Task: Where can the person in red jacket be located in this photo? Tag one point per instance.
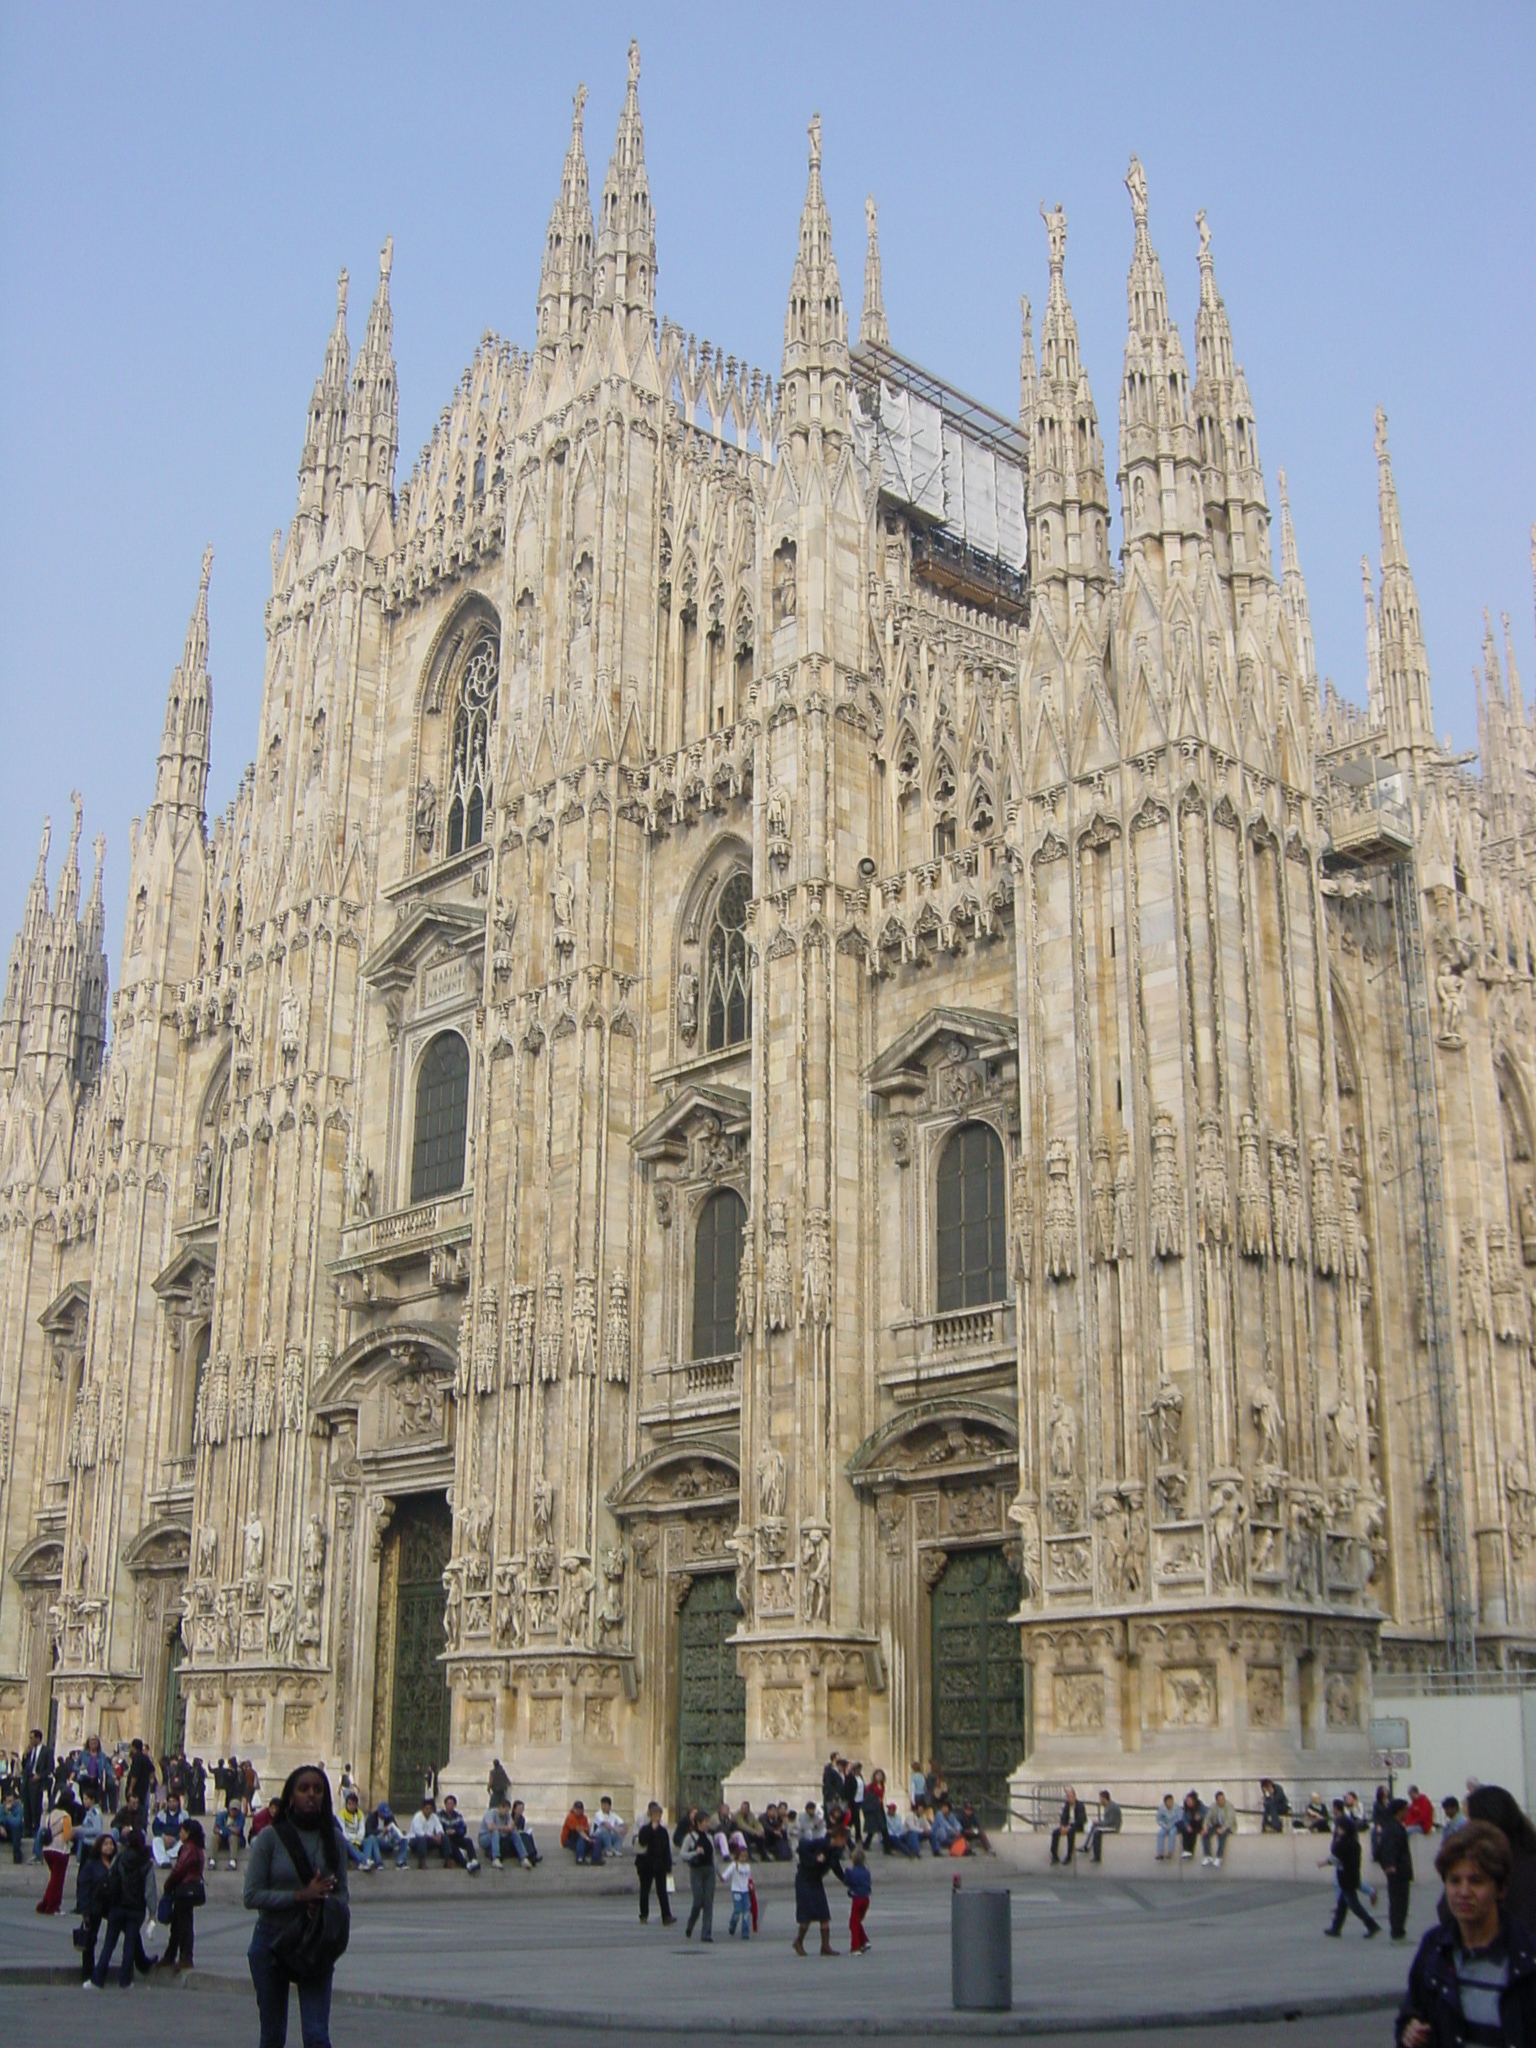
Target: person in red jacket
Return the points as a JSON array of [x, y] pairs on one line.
[[184, 1888], [1420, 1813]]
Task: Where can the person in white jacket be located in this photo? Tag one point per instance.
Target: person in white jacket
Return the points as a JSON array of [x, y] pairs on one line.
[[426, 1833]]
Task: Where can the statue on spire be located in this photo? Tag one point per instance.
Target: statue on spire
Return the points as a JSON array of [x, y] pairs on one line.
[[634, 62], [202, 587], [1382, 450], [814, 131], [341, 293], [386, 259], [1205, 235], [1055, 234], [1136, 185], [577, 105]]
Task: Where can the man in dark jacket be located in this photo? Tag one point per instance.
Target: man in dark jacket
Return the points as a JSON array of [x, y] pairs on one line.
[[1473, 1980], [1394, 1853], [1070, 1823], [1277, 1808], [1344, 1854], [140, 1775], [36, 1777], [831, 1782], [653, 1863]]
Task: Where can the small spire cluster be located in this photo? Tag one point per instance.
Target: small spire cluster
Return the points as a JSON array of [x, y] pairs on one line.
[[53, 1015]]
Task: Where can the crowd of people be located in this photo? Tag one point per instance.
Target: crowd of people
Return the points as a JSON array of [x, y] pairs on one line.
[[134, 1830]]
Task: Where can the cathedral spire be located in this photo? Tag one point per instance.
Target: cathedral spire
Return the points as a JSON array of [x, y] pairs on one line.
[[1374, 697], [626, 236], [1232, 483], [1159, 482], [67, 901], [320, 462], [1293, 595], [373, 401], [1069, 497], [181, 774], [565, 284], [815, 370], [873, 327], [1404, 660]]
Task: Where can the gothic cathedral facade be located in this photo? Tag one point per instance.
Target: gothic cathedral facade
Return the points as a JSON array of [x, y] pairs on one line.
[[791, 1110]]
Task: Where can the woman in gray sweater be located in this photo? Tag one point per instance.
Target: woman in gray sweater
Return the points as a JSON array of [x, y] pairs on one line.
[[275, 1892]]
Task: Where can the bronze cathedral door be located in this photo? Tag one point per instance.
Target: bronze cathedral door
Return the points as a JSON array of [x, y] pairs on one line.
[[419, 1702], [978, 1680], [712, 1696]]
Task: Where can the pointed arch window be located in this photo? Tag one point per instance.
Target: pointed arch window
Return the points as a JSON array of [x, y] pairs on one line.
[[442, 1118], [727, 967], [717, 1274], [469, 769], [972, 1221]]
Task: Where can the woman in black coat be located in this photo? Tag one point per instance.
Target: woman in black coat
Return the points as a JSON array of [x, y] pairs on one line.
[[818, 1857], [96, 1860], [126, 1900]]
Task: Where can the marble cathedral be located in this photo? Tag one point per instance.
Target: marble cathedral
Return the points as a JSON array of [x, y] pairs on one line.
[[793, 1109]]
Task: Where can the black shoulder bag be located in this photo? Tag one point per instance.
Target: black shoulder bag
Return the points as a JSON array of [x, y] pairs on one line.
[[315, 1937]]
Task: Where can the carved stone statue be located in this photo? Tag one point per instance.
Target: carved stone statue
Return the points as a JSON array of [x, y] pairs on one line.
[[426, 814], [359, 1188], [815, 1572], [610, 1610], [576, 1588], [1269, 1422], [1228, 1515], [1452, 993], [562, 891], [1063, 1451], [202, 1179], [1165, 1422], [687, 1004], [770, 1483], [1341, 1427], [207, 1551], [279, 1617], [254, 1548]]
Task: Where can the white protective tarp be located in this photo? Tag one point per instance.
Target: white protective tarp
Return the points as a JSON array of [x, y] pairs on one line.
[[912, 450], [932, 464]]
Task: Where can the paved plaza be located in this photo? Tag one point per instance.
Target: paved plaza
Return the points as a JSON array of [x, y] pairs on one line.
[[559, 1948]]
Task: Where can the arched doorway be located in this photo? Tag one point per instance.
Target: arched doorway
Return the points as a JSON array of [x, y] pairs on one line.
[[711, 1693], [421, 1539], [978, 1679]]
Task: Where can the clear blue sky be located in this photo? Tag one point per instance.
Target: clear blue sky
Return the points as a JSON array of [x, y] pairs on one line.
[[179, 186]]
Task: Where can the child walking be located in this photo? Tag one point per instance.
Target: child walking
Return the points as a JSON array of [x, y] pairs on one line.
[[740, 1874], [860, 1885]]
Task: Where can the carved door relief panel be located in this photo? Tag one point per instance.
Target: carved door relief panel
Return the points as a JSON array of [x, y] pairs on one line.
[[978, 1680], [711, 1695], [422, 1537]]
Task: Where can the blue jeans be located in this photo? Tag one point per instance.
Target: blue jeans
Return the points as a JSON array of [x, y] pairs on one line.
[[741, 1914], [586, 1850], [272, 1981], [1167, 1832], [365, 1852], [124, 1921]]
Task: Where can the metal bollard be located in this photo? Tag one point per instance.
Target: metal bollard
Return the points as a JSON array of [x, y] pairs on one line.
[[981, 1950]]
